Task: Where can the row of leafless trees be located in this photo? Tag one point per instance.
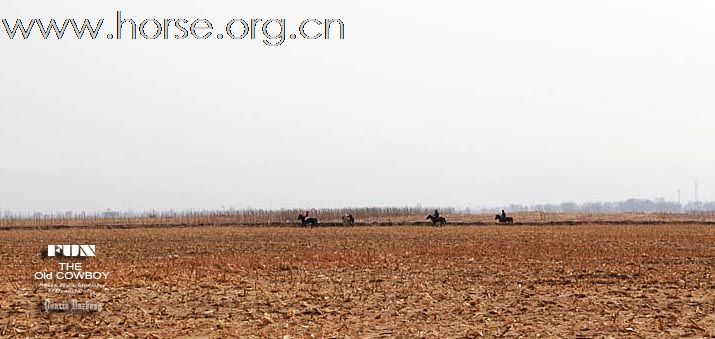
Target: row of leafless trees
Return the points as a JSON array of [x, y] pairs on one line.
[[362, 214], [208, 218]]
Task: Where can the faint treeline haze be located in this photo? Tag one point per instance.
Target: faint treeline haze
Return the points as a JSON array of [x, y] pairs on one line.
[[627, 206], [363, 214]]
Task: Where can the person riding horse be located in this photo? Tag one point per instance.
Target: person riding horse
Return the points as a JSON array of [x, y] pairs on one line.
[[348, 220], [436, 219], [307, 221], [503, 218]]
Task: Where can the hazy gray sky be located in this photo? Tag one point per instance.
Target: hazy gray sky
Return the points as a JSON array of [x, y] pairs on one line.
[[447, 103]]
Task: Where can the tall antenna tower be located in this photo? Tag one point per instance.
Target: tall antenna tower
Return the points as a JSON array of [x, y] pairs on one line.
[[696, 191], [678, 196]]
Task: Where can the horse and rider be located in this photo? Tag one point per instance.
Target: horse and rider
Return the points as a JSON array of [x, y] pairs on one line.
[[436, 219], [307, 220], [348, 219], [503, 218]]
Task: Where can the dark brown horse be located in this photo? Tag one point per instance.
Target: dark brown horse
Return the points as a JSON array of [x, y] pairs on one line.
[[307, 221], [437, 221], [504, 220], [348, 220]]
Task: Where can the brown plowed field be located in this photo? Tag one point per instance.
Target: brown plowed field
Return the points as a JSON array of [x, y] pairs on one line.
[[617, 281]]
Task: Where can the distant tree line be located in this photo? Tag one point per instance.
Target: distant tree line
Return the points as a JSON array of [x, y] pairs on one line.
[[626, 206], [363, 214], [210, 217]]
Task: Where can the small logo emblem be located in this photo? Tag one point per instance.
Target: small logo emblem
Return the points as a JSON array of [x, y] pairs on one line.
[[71, 250]]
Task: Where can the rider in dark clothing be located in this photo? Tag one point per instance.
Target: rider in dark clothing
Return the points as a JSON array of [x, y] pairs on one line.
[[503, 215], [436, 214]]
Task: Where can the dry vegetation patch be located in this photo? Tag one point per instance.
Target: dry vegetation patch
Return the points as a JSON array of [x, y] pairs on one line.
[[589, 280]]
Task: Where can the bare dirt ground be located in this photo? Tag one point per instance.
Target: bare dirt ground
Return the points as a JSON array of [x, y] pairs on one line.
[[640, 281]]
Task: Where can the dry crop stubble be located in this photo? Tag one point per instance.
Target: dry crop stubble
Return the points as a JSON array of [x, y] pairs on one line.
[[411, 281]]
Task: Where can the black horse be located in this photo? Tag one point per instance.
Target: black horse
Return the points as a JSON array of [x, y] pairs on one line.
[[437, 221], [503, 219], [307, 221], [348, 220]]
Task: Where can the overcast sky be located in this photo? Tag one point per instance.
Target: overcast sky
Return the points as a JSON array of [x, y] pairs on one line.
[[456, 103]]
